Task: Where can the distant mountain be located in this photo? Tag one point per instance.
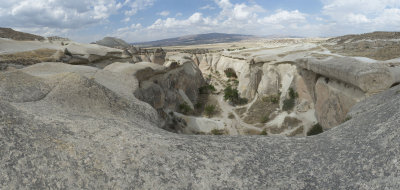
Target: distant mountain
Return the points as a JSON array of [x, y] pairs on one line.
[[281, 36], [16, 35], [210, 38], [113, 42]]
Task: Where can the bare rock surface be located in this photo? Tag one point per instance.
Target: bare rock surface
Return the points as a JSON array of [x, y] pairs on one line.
[[85, 135]]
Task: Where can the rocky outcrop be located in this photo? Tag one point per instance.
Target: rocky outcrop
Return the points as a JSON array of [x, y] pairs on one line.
[[91, 53], [113, 42], [369, 77], [338, 83], [32, 52], [84, 129], [164, 87], [158, 56]]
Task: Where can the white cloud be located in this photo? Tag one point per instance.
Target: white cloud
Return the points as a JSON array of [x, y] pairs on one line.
[[238, 11], [163, 13], [137, 5], [233, 18], [358, 16], [56, 13], [207, 7], [284, 16]]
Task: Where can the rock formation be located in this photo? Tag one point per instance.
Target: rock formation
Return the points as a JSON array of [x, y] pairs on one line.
[[113, 43], [117, 126], [81, 127]]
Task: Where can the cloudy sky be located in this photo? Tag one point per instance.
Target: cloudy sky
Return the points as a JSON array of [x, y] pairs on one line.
[[145, 20]]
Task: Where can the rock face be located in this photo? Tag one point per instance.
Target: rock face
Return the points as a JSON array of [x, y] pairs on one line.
[[171, 87], [334, 101], [113, 43], [85, 54], [32, 52], [369, 77], [82, 128], [158, 56], [342, 82]]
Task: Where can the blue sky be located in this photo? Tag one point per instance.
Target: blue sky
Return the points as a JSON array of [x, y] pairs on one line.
[[145, 20]]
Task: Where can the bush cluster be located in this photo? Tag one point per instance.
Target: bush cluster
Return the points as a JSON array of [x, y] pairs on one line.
[[207, 89], [232, 94], [271, 98], [315, 130], [230, 73], [184, 108], [288, 104], [210, 110]]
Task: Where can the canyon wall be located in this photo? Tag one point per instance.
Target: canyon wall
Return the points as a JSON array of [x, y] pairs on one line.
[[328, 86]]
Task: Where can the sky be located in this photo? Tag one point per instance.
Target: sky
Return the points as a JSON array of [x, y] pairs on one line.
[[148, 20]]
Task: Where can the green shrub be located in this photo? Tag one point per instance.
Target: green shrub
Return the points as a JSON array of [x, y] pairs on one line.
[[198, 105], [217, 132], [210, 110], [231, 94], [207, 89], [315, 130], [288, 104], [231, 116], [293, 94], [348, 118], [230, 73], [184, 108], [271, 98], [264, 132]]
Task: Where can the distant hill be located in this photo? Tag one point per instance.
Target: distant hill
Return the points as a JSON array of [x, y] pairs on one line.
[[210, 38], [16, 35], [113, 42], [379, 35]]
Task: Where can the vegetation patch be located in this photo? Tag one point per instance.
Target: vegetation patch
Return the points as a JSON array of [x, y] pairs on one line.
[[210, 110], [231, 116], [230, 73], [315, 130], [217, 132], [207, 89], [232, 95], [289, 104], [184, 108], [264, 132], [272, 98]]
